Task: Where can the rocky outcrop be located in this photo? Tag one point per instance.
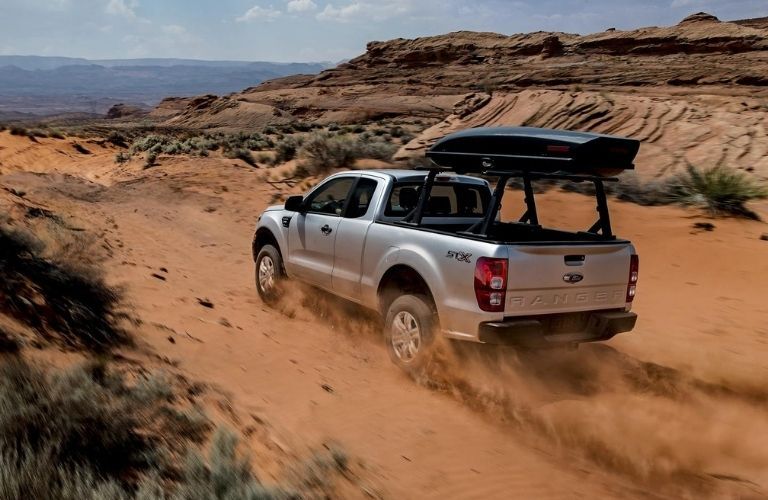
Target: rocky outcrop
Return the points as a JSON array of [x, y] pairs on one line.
[[126, 111], [426, 77]]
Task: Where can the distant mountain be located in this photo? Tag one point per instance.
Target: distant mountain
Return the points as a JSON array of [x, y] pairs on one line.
[[48, 85]]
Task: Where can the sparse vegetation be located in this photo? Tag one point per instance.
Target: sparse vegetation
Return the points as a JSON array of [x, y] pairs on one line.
[[321, 152], [223, 475], [122, 157], [720, 190], [117, 138], [72, 305], [286, 149], [65, 433], [86, 433], [241, 154], [201, 144], [151, 159]]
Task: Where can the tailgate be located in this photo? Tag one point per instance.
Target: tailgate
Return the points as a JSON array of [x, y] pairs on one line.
[[550, 279]]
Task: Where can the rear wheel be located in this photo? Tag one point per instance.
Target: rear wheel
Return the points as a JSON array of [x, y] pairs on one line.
[[269, 274], [409, 329]]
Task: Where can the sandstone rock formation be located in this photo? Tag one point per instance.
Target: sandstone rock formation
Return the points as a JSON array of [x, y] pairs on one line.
[[696, 92]]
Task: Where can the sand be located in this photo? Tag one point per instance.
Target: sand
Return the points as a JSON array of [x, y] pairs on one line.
[[676, 408]]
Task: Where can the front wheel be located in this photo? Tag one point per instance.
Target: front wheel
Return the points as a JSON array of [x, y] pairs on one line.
[[269, 274], [409, 329]]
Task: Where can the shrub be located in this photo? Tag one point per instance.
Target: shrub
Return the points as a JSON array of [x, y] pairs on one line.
[[151, 159], [322, 152], [36, 132], [84, 433], [286, 149], [241, 154], [62, 432], [376, 150], [223, 475], [720, 189], [56, 134], [49, 297], [302, 126], [16, 130], [117, 139], [122, 157], [407, 137]]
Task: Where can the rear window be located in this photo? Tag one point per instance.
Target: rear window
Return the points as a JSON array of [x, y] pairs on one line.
[[446, 200]]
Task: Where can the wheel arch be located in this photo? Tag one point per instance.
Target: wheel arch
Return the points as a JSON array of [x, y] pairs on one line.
[[402, 279], [264, 236]]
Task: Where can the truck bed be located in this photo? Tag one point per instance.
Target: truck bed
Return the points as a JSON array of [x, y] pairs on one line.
[[510, 233]]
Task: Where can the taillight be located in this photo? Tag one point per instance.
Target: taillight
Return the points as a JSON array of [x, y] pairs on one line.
[[491, 283], [634, 265]]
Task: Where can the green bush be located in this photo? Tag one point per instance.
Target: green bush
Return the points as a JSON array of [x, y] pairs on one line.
[[16, 130], [322, 152], [151, 159], [720, 190], [241, 154], [223, 475], [286, 149], [376, 149], [117, 139], [62, 432]]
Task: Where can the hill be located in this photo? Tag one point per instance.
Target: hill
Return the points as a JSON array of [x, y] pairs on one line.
[[53, 85], [695, 93]]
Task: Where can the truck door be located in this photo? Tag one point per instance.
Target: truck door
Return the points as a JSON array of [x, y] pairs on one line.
[[350, 240], [311, 235]]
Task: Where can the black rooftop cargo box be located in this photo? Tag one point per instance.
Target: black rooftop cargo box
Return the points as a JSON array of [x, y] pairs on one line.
[[514, 149]]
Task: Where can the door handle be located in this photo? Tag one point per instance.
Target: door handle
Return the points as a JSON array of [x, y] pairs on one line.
[[326, 229]]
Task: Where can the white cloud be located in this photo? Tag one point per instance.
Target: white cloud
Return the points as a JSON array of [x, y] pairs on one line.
[[174, 29], [365, 11], [124, 8], [257, 12], [300, 5], [682, 3]]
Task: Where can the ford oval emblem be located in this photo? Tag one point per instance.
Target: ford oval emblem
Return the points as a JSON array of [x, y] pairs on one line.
[[573, 277]]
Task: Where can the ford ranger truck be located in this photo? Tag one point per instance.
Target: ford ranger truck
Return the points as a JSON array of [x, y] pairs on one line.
[[429, 251]]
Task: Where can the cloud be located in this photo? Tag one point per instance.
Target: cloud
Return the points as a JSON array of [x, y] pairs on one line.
[[257, 12], [682, 3], [124, 8], [301, 5], [174, 29], [365, 11]]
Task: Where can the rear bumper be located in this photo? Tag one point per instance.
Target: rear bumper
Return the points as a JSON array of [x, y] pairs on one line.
[[537, 331]]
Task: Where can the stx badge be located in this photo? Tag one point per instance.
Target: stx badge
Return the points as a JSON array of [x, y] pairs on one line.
[[459, 256]]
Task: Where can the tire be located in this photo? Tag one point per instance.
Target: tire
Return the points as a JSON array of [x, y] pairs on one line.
[[269, 274], [409, 330]]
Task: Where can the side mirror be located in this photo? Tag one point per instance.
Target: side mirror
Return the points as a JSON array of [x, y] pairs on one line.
[[294, 203]]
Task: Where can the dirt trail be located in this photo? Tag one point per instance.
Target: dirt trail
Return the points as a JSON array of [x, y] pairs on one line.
[[677, 408]]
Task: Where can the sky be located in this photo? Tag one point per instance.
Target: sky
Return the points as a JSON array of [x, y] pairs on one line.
[[309, 30]]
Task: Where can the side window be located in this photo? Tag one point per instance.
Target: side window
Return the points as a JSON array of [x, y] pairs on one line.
[[361, 198], [446, 200], [330, 198]]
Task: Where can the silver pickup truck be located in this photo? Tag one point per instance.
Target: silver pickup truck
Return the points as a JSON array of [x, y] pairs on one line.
[[428, 249]]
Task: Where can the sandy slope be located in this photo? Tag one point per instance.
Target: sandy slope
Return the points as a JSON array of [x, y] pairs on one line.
[[676, 408]]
